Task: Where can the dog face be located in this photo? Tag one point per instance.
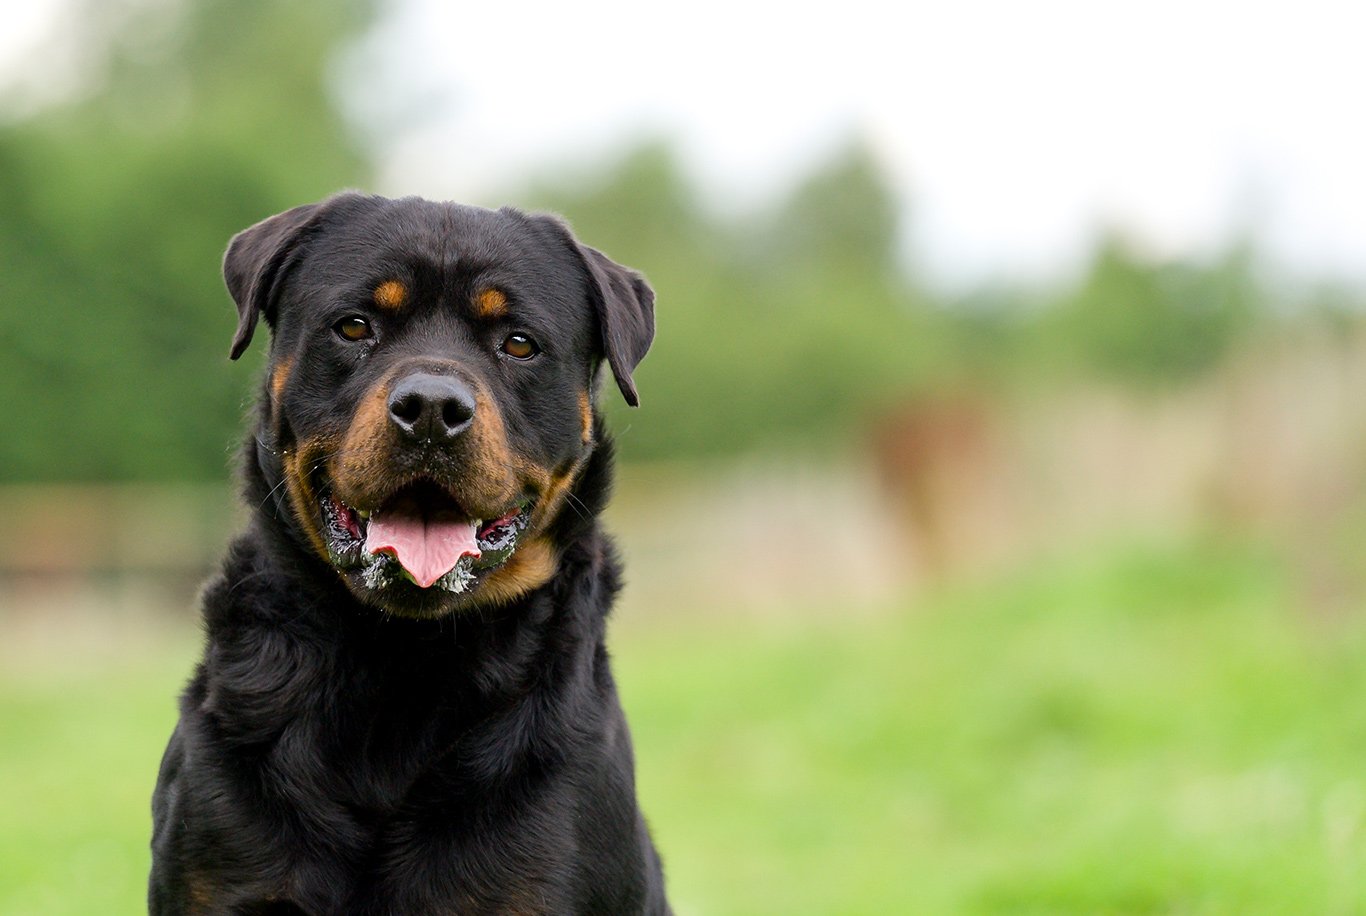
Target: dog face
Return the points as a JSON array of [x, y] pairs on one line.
[[429, 399]]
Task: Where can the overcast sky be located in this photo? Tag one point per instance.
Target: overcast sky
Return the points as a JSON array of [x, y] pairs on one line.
[[1010, 130]]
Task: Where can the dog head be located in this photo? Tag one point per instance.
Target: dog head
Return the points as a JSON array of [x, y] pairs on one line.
[[429, 401]]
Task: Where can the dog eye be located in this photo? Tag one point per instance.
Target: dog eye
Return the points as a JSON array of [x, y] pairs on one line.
[[519, 346], [354, 327]]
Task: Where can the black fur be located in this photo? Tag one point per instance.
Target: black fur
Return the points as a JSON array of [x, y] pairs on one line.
[[334, 756]]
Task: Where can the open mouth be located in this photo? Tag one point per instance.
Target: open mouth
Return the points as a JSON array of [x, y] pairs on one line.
[[421, 535]]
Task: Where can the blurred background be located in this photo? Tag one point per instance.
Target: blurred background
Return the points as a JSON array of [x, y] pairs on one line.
[[994, 519]]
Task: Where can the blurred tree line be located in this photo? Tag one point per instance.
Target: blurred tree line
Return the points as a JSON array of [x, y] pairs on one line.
[[194, 120], [797, 324]]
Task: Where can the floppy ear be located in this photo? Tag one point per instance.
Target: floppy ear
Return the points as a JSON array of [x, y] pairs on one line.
[[622, 301], [257, 257], [252, 265], [625, 305]]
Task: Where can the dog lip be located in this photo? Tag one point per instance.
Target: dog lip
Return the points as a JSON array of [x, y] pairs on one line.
[[422, 493], [346, 526], [344, 529]]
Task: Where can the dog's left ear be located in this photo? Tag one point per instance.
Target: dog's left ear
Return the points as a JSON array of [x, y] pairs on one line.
[[257, 257], [623, 302]]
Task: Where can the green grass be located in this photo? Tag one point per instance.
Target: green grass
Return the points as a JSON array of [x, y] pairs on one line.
[[1145, 732]]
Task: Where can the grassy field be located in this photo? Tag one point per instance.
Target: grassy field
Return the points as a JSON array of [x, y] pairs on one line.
[[1148, 731]]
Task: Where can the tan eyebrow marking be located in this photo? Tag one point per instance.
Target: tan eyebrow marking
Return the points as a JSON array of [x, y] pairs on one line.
[[391, 294], [491, 303]]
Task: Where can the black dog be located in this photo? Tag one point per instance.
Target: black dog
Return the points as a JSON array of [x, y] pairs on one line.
[[405, 704]]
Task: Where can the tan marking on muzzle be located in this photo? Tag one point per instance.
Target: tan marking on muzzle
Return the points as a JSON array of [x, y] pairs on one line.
[[489, 436], [531, 566], [298, 465], [366, 446], [554, 490], [364, 471]]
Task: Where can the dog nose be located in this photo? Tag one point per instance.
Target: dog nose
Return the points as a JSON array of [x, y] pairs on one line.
[[429, 407]]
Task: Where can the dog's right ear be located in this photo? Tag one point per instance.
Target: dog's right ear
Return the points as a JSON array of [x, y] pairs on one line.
[[257, 259], [252, 265]]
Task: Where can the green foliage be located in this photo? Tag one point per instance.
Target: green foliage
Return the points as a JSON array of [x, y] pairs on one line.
[[1134, 319], [114, 211]]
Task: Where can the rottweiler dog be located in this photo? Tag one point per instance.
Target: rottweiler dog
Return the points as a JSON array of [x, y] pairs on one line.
[[405, 704]]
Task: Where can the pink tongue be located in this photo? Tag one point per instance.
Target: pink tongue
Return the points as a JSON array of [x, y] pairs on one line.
[[427, 548]]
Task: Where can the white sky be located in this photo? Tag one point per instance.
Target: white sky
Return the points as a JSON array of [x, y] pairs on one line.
[[1011, 130]]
